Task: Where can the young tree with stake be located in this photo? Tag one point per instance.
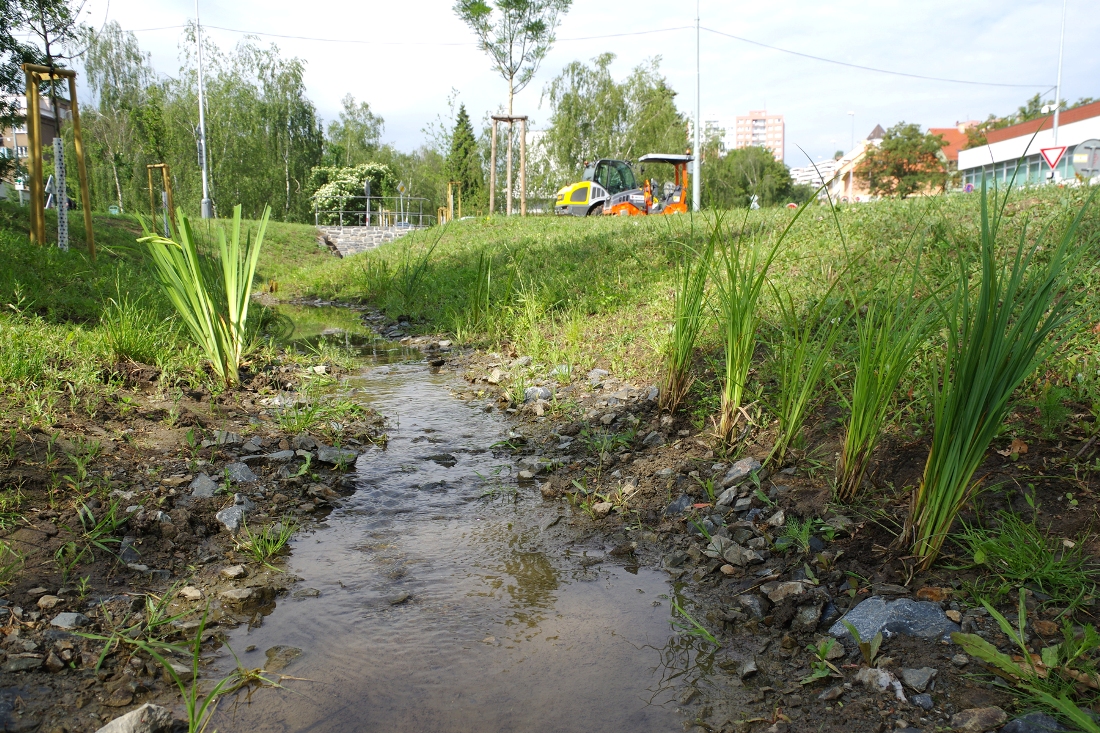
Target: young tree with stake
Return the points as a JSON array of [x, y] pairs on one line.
[[517, 35]]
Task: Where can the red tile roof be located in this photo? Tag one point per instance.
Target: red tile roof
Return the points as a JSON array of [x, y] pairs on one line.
[[1084, 112], [956, 140]]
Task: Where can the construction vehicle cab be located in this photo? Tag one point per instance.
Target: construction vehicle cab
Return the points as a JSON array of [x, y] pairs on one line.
[[654, 197], [601, 180]]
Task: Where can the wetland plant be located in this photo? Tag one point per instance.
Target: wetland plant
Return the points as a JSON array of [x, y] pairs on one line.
[[887, 335], [688, 308], [213, 304], [265, 544], [996, 338]]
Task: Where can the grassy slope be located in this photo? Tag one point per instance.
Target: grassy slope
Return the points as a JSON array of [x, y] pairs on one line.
[[597, 292]]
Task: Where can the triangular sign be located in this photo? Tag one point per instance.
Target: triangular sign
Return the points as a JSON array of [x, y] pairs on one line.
[[1053, 155]]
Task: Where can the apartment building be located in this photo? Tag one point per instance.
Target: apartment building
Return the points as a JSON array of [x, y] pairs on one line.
[[14, 140], [760, 129]]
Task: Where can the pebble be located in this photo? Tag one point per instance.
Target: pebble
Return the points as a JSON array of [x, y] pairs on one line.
[[203, 487], [236, 595], [953, 615], [233, 572], [602, 509], [47, 602], [748, 668], [922, 701], [960, 660], [336, 455], [934, 594], [653, 440], [740, 471], [1034, 723], [280, 656], [148, 718], [240, 473], [978, 720], [525, 475], [776, 592], [832, 693], [922, 619], [679, 506], [918, 679], [190, 593], [70, 620]]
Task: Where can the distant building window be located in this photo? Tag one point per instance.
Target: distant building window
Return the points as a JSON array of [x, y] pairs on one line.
[[21, 151]]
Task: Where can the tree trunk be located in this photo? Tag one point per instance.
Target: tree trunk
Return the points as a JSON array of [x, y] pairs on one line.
[[508, 165]]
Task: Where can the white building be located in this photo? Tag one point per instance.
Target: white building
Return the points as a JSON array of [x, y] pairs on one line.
[[1012, 153]]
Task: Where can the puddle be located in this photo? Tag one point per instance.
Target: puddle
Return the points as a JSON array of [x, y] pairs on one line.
[[435, 600]]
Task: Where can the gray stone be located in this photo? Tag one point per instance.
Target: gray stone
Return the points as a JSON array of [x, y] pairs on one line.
[[832, 693], [1034, 723], [523, 361], [336, 455], [281, 456], [234, 572], [532, 394], [740, 471], [652, 394], [776, 592], [69, 620], [731, 552], [303, 442], [203, 487], [239, 473], [663, 473], [753, 605], [922, 701], [653, 440], [21, 664], [148, 718], [922, 619], [807, 617], [236, 595], [727, 497], [743, 505], [233, 517], [279, 657], [597, 375], [918, 679], [126, 552], [225, 437], [978, 720], [679, 506], [748, 668]]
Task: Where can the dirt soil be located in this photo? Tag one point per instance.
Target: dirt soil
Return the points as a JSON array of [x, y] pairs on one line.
[[634, 477]]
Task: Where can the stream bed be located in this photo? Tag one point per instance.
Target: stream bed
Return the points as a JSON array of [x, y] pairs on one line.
[[443, 597]]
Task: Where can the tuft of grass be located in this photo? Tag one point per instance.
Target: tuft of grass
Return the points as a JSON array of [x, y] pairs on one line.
[[743, 274], [266, 543], [995, 340], [803, 351], [1018, 554], [797, 532], [887, 336], [213, 305], [135, 332], [688, 308]]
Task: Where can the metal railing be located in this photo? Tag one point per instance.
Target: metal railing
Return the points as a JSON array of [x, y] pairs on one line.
[[376, 211]]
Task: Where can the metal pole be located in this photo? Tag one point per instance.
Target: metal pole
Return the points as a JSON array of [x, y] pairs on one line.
[[207, 204], [1058, 87], [853, 116], [696, 195], [493, 170], [81, 170]]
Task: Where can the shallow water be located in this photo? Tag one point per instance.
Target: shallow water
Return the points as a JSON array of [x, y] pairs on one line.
[[452, 600]]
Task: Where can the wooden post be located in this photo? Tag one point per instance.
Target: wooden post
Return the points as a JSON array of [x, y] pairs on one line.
[[508, 168], [34, 150], [152, 202], [459, 199], [82, 171], [171, 199], [451, 199], [523, 166], [493, 171]]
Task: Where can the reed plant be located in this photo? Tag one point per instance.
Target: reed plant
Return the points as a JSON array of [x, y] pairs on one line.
[[212, 302], [887, 336], [996, 337], [688, 317], [743, 271], [803, 351]]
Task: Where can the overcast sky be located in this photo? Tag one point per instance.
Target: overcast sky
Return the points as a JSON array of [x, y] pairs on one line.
[[417, 51]]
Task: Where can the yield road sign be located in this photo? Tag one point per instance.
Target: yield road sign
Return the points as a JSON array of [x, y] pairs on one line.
[[1053, 155]]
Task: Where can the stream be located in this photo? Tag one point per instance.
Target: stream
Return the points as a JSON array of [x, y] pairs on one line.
[[443, 597]]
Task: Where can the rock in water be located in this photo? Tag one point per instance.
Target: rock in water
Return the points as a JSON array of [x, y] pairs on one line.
[[902, 616], [148, 718], [336, 455], [279, 657], [978, 720]]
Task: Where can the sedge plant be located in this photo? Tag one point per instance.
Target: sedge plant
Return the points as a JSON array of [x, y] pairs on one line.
[[997, 335], [212, 303], [743, 274], [688, 310], [887, 335], [803, 351]]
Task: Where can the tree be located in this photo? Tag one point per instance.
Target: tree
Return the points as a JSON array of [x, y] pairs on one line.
[[13, 53], [464, 160], [732, 180], [1030, 110], [354, 136], [517, 38], [906, 162]]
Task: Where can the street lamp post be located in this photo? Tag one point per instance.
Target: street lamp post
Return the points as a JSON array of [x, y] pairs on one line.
[[207, 204], [696, 196], [853, 116]]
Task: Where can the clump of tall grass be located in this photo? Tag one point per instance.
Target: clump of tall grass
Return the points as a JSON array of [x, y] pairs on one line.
[[887, 336], [742, 274], [688, 310], [212, 303], [995, 340], [803, 350], [136, 332]]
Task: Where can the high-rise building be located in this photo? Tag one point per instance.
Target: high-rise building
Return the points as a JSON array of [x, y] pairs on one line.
[[760, 129]]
